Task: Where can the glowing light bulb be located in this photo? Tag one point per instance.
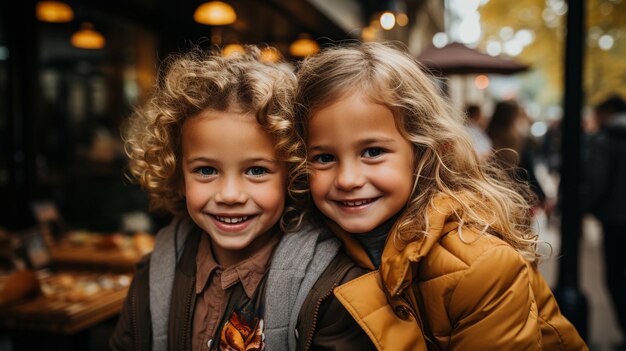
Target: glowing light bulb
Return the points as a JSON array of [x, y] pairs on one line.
[[387, 20]]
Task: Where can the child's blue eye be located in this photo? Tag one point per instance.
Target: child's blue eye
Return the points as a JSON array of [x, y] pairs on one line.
[[257, 171], [373, 152], [324, 158], [206, 171]]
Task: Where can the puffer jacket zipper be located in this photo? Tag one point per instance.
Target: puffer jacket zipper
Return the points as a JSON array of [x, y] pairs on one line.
[[309, 338], [186, 327], [327, 294]]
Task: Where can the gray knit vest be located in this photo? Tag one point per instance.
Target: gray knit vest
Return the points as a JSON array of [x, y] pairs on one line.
[[298, 261]]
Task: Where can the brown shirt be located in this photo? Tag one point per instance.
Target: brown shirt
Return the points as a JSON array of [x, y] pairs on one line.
[[214, 285]]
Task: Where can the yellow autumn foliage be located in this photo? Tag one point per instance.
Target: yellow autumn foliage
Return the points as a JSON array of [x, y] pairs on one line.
[[604, 71]]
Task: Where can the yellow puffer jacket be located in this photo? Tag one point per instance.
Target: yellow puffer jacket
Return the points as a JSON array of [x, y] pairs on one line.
[[454, 291]]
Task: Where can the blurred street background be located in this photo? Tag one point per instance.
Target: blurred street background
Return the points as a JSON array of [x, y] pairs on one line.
[[543, 78]]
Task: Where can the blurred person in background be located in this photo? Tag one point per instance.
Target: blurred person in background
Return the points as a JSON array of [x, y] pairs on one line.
[[508, 131], [473, 125], [550, 147], [604, 195]]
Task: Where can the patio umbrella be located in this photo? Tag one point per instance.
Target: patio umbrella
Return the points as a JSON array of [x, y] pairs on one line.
[[456, 58]]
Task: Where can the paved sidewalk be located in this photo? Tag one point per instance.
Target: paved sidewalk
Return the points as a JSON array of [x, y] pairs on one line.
[[603, 329]]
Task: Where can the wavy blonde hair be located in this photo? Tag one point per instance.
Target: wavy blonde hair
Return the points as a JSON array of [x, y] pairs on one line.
[[445, 162], [191, 83]]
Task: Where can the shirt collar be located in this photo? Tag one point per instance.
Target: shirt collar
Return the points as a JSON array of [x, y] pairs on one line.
[[205, 262], [249, 272]]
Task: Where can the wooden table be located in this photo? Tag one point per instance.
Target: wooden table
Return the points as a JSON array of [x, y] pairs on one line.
[[118, 260], [105, 252], [57, 319], [68, 302], [46, 315]]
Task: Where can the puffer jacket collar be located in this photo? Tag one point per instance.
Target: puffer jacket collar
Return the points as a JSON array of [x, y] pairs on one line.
[[390, 311], [397, 259], [395, 268]]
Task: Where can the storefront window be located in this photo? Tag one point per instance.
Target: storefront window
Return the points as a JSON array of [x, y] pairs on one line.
[[86, 94]]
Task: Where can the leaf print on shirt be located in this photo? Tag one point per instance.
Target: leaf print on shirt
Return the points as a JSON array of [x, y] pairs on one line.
[[241, 335]]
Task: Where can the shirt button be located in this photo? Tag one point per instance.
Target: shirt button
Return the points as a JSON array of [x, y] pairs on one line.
[[296, 334], [402, 312], [209, 343]]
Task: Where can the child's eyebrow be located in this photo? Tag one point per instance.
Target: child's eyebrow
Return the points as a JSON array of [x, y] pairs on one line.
[[200, 158], [318, 147], [359, 143], [261, 159], [248, 160], [369, 141]]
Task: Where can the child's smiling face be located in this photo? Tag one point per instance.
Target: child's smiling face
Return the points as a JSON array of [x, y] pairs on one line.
[[233, 184], [362, 167]]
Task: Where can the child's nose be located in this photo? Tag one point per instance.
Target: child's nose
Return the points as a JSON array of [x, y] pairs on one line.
[[231, 192], [349, 176]]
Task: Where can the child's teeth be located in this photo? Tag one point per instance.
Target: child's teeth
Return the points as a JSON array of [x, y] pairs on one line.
[[231, 220], [356, 203]]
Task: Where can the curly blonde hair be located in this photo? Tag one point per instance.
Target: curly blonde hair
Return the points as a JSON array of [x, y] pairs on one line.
[[194, 82], [445, 162]]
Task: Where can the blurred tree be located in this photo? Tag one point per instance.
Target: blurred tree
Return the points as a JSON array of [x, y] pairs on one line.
[[605, 68]]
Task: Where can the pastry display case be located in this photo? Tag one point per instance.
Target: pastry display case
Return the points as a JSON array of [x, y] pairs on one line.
[[70, 283]]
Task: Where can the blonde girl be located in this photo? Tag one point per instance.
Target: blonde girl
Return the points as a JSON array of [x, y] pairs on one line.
[[392, 172]]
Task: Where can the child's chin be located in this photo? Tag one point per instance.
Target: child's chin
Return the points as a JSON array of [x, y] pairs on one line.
[[231, 245], [357, 228]]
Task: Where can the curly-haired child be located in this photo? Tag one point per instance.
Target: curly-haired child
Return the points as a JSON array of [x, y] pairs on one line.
[[213, 146], [393, 173]]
